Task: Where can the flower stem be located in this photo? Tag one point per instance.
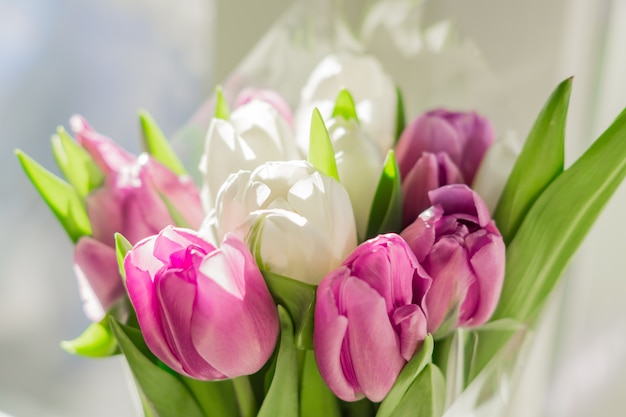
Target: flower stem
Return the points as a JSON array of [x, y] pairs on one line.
[[245, 396]]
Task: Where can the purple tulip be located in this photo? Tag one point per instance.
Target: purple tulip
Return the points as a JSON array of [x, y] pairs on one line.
[[459, 246], [437, 149], [368, 319], [205, 312], [131, 202]]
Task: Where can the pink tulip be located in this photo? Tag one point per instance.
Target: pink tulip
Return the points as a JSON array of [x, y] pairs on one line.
[[459, 246], [368, 319], [131, 202], [437, 149], [205, 312], [269, 96]]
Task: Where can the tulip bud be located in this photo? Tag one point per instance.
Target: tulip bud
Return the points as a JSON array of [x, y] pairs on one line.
[[296, 221], [371, 87], [255, 133], [462, 137], [359, 164], [135, 200], [205, 312], [461, 249], [368, 318], [269, 96]]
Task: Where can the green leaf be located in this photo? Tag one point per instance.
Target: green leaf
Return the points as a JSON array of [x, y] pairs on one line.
[[282, 399], [484, 342], [221, 107], [96, 341], [400, 114], [386, 212], [165, 395], [539, 163], [315, 396], [76, 164], [298, 299], [426, 395], [157, 145], [122, 247], [321, 153], [558, 221], [61, 197], [177, 217], [409, 373], [344, 106]]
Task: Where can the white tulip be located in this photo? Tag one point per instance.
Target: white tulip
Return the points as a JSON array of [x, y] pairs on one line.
[[371, 88], [297, 222], [359, 165], [496, 167], [255, 133]]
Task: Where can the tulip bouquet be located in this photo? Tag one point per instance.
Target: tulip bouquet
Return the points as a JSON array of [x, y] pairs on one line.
[[335, 260]]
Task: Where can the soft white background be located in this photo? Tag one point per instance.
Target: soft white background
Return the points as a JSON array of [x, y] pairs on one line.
[[106, 59]]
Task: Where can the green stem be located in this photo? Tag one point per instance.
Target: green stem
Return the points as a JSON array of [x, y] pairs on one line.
[[245, 396]]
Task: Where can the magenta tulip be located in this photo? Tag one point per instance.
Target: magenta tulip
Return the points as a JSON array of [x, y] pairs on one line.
[[368, 318], [132, 201], [437, 149], [459, 246], [205, 312]]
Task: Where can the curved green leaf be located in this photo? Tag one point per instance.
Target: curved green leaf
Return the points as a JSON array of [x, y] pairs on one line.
[[76, 164], [426, 395], [539, 163], [409, 374], [316, 399], [344, 106], [557, 223], [122, 247], [298, 299], [282, 399], [386, 212], [400, 114], [157, 145], [221, 106], [321, 153], [61, 197], [96, 341]]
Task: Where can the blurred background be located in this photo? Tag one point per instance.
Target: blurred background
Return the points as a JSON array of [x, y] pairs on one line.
[[107, 59]]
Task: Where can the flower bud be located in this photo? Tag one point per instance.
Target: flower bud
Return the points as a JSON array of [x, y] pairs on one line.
[[255, 133], [368, 318], [205, 312], [135, 200], [459, 246], [463, 137], [296, 221], [371, 87]]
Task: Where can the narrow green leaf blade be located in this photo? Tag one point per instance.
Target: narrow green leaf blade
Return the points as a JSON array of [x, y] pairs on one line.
[[315, 396], [321, 153], [539, 163], [426, 395], [122, 247], [400, 114], [157, 145], [409, 373], [282, 399], [386, 212], [221, 106], [344, 106], [298, 299], [60, 196], [96, 341], [558, 221], [165, 394], [76, 164]]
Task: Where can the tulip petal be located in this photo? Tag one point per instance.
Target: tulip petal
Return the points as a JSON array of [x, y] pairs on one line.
[[371, 340], [96, 268], [411, 322]]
